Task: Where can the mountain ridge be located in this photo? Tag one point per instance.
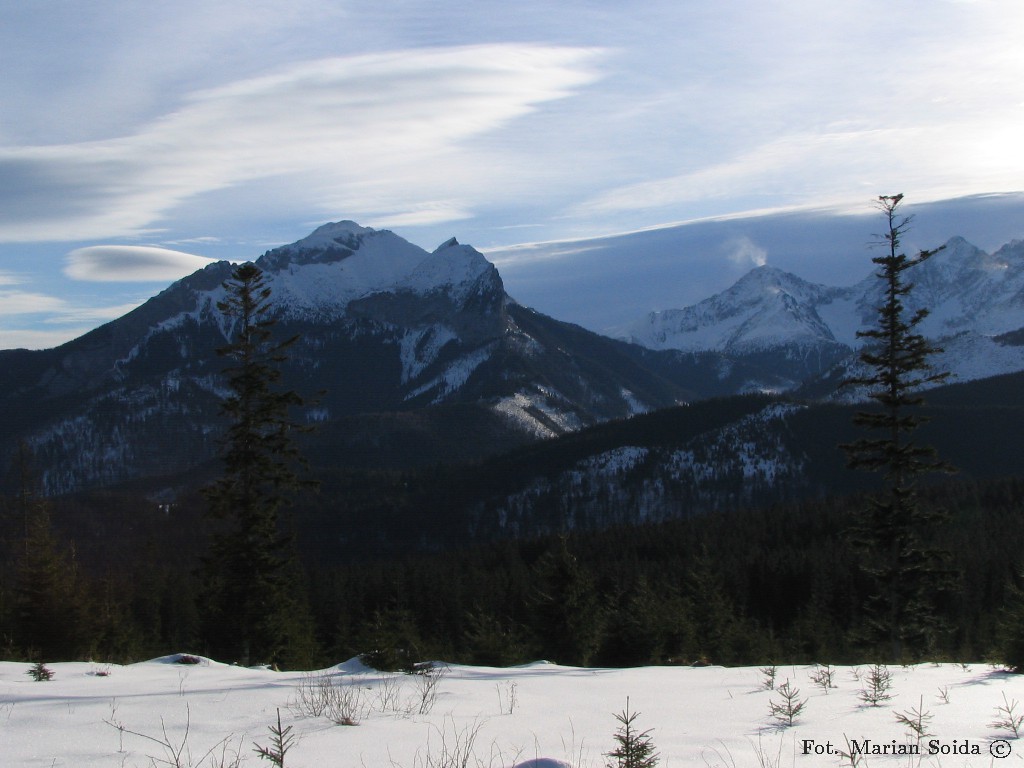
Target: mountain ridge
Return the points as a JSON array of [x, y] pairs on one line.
[[974, 300], [384, 327], [411, 340]]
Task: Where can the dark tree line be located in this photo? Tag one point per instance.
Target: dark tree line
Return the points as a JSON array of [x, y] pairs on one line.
[[741, 587]]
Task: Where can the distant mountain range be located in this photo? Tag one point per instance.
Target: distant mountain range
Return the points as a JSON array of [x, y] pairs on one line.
[[611, 281], [796, 330], [424, 359]]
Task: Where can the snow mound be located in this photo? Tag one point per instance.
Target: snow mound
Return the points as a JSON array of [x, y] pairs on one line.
[[185, 659], [353, 666]]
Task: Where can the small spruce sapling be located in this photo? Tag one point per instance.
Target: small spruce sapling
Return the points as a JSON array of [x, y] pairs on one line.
[[40, 672], [786, 711], [1008, 718], [916, 720], [851, 755], [823, 676], [281, 740], [877, 685], [635, 749], [769, 674]]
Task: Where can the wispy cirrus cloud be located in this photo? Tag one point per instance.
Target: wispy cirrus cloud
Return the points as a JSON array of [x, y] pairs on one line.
[[835, 166], [379, 133]]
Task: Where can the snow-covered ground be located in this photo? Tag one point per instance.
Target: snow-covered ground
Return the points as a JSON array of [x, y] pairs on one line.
[[98, 715]]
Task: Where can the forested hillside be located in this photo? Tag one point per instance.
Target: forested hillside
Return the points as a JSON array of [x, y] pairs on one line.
[[740, 586], [402, 560]]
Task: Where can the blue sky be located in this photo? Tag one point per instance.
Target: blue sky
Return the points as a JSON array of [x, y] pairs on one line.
[[138, 139]]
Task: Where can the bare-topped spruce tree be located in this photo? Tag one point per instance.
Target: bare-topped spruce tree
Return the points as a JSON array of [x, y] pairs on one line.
[[894, 535]]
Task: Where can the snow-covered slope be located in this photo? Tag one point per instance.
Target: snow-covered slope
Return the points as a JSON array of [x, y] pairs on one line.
[[319, 276], [539, 715], [764, 309], [966, 289], [342, 261], [732, 462], [973, 299]]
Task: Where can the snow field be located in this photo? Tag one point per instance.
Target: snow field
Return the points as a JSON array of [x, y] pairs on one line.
[[709, 716]]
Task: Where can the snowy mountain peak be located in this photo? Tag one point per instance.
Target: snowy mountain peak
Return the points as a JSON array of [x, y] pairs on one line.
[[320, 276], [453, 265], [1013, 249], [334, 230], [972, 298], [340, 262], [329, 243], [449, 243], [957, 254], [767, 281], [768, 274], [767, 306]]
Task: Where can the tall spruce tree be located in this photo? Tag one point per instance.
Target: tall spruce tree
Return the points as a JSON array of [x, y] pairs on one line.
[[894, 534], [252, 605]]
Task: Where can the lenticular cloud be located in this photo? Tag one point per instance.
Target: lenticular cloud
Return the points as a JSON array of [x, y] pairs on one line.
[[131, 263]]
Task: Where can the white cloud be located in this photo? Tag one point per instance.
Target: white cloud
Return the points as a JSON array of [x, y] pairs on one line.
[[58, 310], [744, 252], [522, 254], [39, 310], [38, 339], [25, 302], [92, 314], [376, 133], [131, 263]]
